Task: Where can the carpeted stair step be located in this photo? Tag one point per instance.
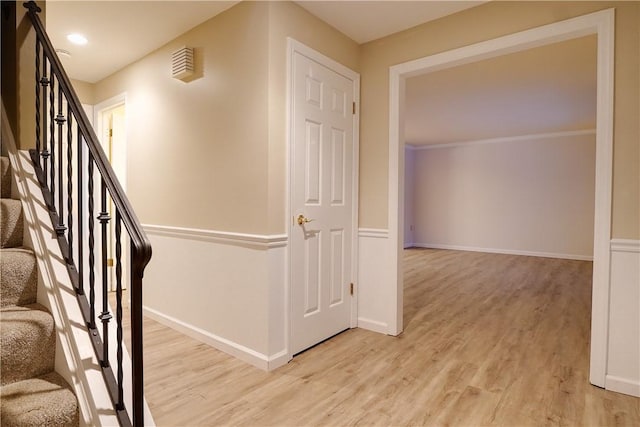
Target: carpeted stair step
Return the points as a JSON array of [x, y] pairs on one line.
[[31, 393], [18, 277], [43, 401], [5, 177], [27, 342], [11, 223]]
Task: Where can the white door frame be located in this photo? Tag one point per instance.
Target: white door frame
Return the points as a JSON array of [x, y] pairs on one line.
[[98, 110], [99, 126], [294, 46], [600, 23]]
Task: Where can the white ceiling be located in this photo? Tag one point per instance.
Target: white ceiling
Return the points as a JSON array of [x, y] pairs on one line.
[[118, 36], [542, 90], [547, 89], [364, 21], [120, 32]]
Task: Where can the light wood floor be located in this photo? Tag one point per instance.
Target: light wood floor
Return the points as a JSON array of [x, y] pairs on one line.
[[489, 340]]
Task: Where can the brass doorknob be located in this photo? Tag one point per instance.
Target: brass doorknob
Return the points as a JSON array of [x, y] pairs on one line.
[[302, 220]]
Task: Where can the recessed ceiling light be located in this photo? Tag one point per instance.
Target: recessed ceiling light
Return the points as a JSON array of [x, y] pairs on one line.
[[78, 39]]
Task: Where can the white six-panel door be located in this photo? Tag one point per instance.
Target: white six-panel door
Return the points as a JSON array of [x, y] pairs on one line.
[[322, 194]]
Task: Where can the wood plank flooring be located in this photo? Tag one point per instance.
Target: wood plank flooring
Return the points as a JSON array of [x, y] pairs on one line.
[[495, 340]]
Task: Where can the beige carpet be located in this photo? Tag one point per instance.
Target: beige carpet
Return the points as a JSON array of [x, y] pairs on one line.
[[18, 277], [43, 401], [31, 393]]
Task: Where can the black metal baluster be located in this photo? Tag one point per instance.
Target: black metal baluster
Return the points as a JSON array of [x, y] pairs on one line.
[[48, 71], [44, 81], [120, 373], [79, 168], [137, 351], [92, 274], [105, 316], [70, 183], [60, 119], [38, 97], [52, 139]]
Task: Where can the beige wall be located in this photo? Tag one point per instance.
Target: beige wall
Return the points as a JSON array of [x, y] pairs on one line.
[[211, 153], [25, 61], [197, 151], [287, 19], [485, 22], [533, 195], [85, 91]]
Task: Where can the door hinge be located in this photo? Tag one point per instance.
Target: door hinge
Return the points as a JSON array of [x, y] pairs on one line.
[[110, 262], [354, 108], [351, 289], [110, 133]]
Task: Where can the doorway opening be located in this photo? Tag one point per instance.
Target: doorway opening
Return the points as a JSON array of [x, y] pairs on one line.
[[599, 23], [110, 125]]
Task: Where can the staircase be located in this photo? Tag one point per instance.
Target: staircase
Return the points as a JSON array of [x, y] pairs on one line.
[[74, 202], [31, 392]]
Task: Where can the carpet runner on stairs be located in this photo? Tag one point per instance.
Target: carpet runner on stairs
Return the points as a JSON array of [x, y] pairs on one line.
[[31, 392]]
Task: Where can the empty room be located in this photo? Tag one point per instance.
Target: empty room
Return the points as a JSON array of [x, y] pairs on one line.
[[499, 216]]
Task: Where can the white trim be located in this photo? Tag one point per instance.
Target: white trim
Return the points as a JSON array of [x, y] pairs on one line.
[[600, 23], [252, 241], [379, 233], [622, 385], [507, 139], [373, 325], [119, 162], [243, 353], [98, 110], [605, 28], [114, 101], [504, 251], [294, 46], [625, 245]]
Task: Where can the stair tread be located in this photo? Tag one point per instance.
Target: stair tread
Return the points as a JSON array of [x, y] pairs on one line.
[[11, 223], [27, 342], [31, 393], [46, 400], [18, 276]]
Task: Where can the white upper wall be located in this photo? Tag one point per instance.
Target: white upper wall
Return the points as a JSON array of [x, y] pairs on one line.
[[529, 196], [547, 89]]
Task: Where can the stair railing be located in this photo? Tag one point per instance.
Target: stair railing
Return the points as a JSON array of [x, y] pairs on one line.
[[67, 158]]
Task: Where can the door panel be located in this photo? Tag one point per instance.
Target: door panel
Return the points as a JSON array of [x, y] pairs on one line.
[[322, 178], [312, 274]]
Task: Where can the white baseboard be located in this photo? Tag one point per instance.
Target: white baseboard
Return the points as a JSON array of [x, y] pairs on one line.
[[277, 360], [622, 385], [373, 325], [504, 251], [239, 351]]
